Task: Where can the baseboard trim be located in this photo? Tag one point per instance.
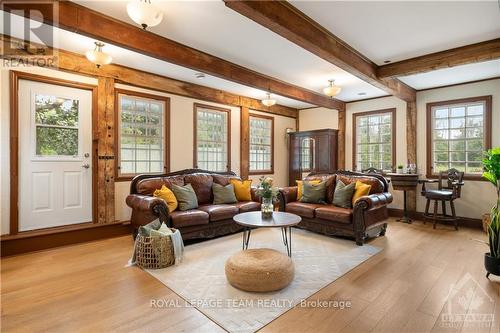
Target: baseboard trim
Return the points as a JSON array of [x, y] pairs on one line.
[[462, 221], [30, 241]]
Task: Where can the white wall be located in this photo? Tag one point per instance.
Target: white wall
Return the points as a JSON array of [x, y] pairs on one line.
[[181, 140], [318, 118], [477, 196], [373, 105]]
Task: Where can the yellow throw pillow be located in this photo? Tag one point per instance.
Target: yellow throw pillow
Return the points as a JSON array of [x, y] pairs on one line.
[[166, 194], [242, 189], [300, 186], [362, 189]]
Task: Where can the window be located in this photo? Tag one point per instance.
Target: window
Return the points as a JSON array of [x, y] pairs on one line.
[[212, 133], [306, 146], [373, 139], [56, 126], [458, 132], [142, 140], [261, 144]]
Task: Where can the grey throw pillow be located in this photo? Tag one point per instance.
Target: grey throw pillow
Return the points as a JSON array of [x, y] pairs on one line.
[[342, 197], [313, 193], [223, 194], [186, 197]]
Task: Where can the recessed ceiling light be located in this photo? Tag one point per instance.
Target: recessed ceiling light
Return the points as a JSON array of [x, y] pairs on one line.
[[386, 61], [362, 94], [199, 75]]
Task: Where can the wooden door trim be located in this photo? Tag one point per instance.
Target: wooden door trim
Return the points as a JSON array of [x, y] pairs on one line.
[[15, 76]]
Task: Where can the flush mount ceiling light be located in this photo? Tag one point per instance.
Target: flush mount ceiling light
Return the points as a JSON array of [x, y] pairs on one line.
[[268, 101], [332, 90], [144, 13], [97, 56]]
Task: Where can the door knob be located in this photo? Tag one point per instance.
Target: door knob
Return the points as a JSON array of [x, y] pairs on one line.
[[86, 166]]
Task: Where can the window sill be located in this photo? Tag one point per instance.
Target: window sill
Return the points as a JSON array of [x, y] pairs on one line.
[[261, 172]]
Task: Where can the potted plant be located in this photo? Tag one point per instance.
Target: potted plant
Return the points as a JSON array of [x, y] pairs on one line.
[[269, 194], [400, 168], [491, 166]]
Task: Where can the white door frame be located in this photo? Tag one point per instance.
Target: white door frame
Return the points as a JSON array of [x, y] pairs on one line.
[[15, 76]]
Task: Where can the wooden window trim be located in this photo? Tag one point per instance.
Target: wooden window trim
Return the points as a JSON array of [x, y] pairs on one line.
[[195, 132], [166, 101], [261, 172], [392, 112], [487, 130]]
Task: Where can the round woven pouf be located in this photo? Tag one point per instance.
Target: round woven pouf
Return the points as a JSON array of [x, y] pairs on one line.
[[259, 270]]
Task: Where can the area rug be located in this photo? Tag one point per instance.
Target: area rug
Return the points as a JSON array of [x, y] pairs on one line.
[[201, 282]]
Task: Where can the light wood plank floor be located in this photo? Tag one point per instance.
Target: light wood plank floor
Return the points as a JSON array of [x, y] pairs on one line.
[[87, 288]]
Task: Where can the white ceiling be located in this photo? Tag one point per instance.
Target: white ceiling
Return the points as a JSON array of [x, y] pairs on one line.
[[453, 75], [398, 30], [379, 30]]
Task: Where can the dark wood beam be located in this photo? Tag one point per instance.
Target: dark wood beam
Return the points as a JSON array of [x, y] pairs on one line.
[[84, 21], [290, 23], [76, 63], [484, 51]]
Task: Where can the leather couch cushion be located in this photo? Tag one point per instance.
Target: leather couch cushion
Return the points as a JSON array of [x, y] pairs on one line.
[[334, 214], [376, 185], [223, 180], [302, 209], [202, 186], [188, 218], [220, 212], [247, 206], [148, 186], [439, 194]]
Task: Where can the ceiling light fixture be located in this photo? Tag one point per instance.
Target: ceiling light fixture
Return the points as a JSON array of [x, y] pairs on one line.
[[332, 90], [97, 56], [144, 13], [268, 101]]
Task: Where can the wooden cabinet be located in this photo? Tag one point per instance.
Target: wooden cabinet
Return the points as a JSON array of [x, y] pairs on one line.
[[312, 151]]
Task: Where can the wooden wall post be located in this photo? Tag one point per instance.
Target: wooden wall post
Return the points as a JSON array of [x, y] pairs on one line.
[[341, 140], [105, 150], [411, 146], [244, 142]]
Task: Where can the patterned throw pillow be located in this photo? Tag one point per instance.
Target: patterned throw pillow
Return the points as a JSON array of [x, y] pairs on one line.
[[342, 197], [313, 193]]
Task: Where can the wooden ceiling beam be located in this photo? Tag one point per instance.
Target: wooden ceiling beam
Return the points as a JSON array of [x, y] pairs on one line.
[[76, 63], [479, 52], [84, 21], [287, 21]]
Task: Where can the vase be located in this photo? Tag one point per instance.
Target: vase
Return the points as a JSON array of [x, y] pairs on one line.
[[267, 207], [491, 264]]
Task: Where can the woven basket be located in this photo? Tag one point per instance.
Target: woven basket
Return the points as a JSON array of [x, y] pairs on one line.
[[154, 252]]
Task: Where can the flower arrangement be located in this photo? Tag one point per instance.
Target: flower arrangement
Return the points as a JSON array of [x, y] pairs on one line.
[[269, 195]]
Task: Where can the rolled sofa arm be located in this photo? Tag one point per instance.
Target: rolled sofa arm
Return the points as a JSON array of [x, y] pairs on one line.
[[374, 200], [287, 195], [143, 202], [145, 207]]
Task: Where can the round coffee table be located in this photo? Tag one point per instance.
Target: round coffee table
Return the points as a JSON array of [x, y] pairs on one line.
[[282, 220]]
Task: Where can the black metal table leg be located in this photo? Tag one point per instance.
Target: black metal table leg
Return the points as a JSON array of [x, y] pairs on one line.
[[246, 237], [289, 242], [405, 218], [283, 236]]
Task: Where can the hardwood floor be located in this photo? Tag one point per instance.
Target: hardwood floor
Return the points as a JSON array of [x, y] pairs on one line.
[[87, 288]]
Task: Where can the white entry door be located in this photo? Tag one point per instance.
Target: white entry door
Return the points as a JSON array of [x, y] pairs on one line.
[[55, 155]]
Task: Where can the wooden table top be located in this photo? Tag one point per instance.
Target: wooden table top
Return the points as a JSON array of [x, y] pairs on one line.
[[278, 220]]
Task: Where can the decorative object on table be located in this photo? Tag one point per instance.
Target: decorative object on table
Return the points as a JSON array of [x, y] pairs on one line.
[[282, 220], [400, 169], [447, 192], [157, 246], [486, 222], [491, 166], [404, 182], [269, 195], [259, 270]]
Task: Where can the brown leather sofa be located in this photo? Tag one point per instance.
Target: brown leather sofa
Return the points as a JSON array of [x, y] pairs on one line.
[[207, 221], [366, 218]]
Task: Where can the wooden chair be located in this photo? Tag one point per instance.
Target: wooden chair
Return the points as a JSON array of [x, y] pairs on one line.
[[450, 183]]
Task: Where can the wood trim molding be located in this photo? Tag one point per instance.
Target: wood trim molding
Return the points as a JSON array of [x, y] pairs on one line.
[[29, 241], [479, 52], [411, 146], [262, 172], [76, 63], [87, 22], [166, 153], [195, 132], [392, 112], [341, 140], [244, 142], [287, 21], [487, 130], [15, 76]]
